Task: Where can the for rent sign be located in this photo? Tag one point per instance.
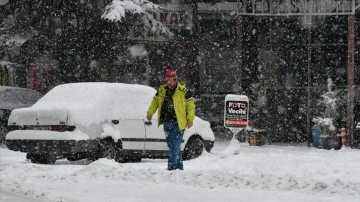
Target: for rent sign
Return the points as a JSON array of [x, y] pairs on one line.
[[236, 111]]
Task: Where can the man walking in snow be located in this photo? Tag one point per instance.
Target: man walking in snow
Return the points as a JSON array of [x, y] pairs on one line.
[[176, 111]]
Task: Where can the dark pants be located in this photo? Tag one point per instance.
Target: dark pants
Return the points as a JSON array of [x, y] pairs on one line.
[[174, 138]]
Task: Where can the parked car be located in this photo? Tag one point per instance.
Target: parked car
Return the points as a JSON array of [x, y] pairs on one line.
[[97, 120], [12, 98]]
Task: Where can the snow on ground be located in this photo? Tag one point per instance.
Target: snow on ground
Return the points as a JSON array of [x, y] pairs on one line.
[[231, 172]]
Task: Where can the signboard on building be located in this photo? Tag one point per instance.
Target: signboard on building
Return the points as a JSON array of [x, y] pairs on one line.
[[297, 6], [179, 19], [236, 112]]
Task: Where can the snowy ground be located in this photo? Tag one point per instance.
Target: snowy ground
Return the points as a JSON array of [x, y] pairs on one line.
[[231, 172]]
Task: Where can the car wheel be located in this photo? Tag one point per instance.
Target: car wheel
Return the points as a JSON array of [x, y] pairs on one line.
[[76, 156], [3, 132], [193, 148], [133, 158], [112, 150], [121, 157], [28, 155], [42, 158]]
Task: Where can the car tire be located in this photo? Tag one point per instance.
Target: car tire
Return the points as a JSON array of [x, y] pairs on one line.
[[193, 149], [41, 158], [3, 132], [112, 150], [121, 157], [28, 156], [133, 158], [76, 156]]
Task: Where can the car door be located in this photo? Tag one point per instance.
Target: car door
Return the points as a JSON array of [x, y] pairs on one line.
[[155, 137], [132, 133]]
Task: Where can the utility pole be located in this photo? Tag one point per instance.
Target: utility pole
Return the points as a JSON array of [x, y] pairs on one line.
[[350, 81], [240, 47], [309, 84]]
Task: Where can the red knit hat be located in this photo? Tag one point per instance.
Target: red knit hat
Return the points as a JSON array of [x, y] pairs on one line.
[[170, 74]]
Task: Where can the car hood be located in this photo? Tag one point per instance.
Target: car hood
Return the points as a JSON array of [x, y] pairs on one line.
[[201, 127], [36, 116]]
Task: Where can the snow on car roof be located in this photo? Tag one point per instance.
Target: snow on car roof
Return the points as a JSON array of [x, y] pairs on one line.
[[98, 101]]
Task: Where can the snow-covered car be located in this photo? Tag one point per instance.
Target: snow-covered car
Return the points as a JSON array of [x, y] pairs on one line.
[[12, 98], [97, 120]]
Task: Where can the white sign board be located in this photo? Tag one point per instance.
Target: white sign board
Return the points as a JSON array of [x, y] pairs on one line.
[[236, 111], [311, 7]]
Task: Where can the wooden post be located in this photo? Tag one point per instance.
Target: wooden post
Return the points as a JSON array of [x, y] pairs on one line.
[[271, 53], [192, 60], [350, 79], [309, 85], [240, 32]]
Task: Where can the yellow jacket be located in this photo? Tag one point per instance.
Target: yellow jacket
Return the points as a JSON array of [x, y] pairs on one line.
[[184, 104]]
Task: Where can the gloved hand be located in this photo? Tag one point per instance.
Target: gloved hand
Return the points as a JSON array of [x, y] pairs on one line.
[[190, 124]]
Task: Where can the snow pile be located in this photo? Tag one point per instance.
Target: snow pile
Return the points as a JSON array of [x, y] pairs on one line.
[[242, 172]]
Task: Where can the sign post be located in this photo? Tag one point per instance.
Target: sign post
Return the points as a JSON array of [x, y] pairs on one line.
[[236, 112]]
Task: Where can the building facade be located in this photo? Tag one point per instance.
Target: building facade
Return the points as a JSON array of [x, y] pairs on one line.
[[278, 53]]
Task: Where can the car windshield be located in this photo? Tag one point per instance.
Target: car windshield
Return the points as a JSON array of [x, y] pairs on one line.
[[13, 97]]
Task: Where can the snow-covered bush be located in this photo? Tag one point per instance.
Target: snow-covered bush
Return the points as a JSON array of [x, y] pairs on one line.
[[325, 123], [140, 10]]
